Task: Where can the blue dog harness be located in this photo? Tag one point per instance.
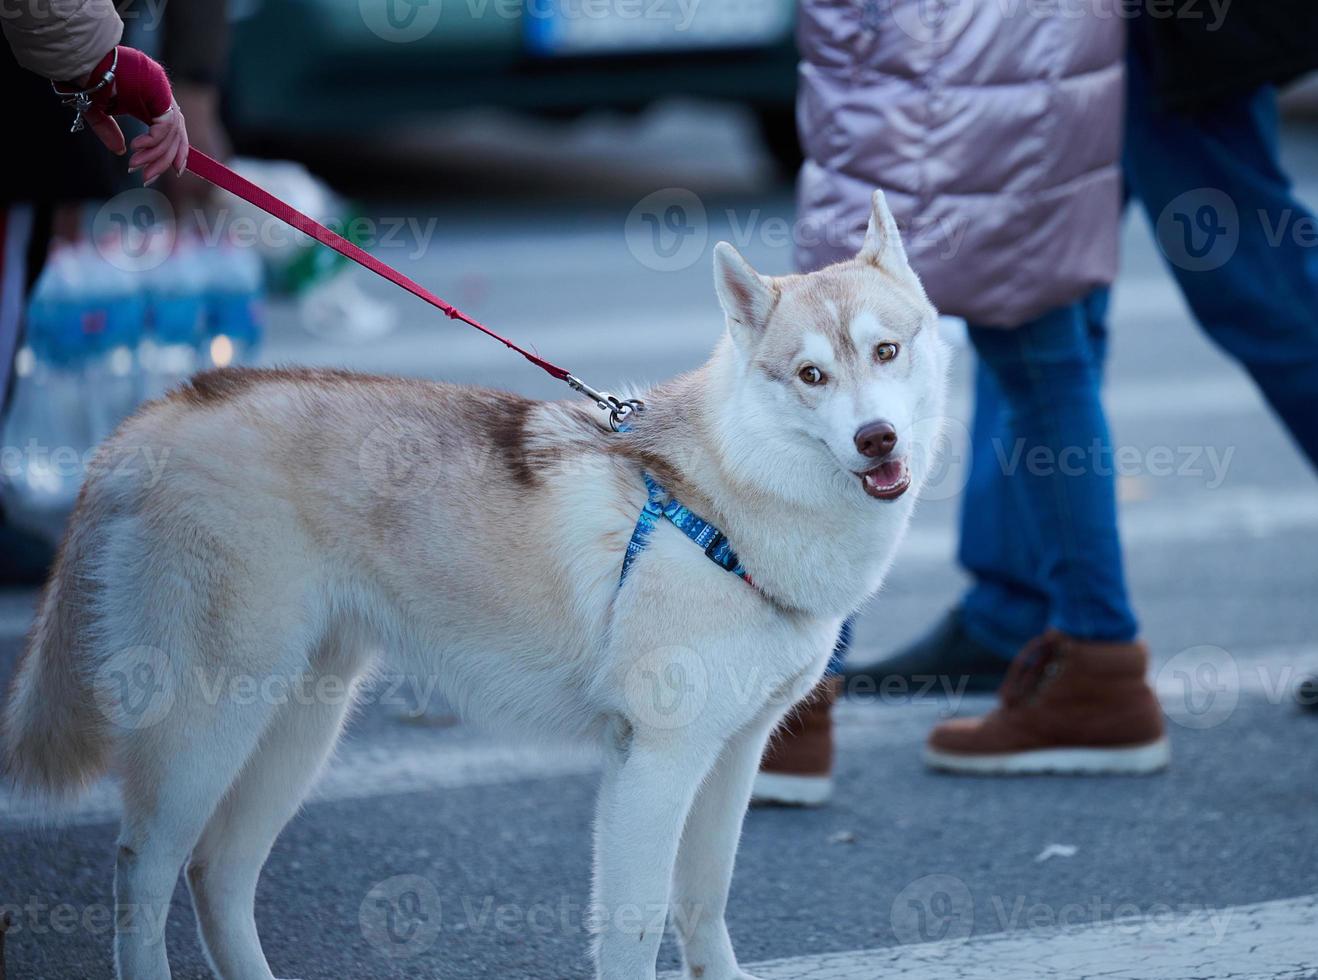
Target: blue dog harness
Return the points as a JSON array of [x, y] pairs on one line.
[[662, 505]]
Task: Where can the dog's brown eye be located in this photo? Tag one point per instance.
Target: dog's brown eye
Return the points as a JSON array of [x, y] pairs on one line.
[[811, 375], [886, 352]]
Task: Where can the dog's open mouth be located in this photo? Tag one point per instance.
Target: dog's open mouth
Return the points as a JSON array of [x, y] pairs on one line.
[[887, 481]]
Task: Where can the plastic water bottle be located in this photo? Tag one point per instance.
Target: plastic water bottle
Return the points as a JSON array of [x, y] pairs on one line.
[[235, 302], [42, 454], [176, 288], [113, 319], [47, 433]]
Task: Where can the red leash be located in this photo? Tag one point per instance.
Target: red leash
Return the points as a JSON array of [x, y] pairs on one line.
[[222, 177], [225, 179]]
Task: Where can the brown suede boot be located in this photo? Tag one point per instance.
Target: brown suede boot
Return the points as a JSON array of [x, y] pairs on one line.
[[1066, 707], [797, 768]]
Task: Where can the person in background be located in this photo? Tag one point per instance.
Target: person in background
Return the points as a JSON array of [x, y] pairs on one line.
[[195, 46], [996, 138], [74, 46], [1201, 128]]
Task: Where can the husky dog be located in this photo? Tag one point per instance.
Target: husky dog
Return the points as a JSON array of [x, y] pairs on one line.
[[305, 520]]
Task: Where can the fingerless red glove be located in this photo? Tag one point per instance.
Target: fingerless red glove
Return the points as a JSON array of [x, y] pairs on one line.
[[141, 87]]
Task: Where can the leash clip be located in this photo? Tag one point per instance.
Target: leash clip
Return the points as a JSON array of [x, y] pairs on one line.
[[618, 408], [81, 100]]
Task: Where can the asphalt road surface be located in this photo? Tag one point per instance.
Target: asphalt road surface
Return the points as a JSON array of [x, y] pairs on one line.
[[1207, 871]]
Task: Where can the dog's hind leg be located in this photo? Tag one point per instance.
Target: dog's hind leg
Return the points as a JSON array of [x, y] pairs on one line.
[[226, 863], [647, 790], [708, 851], [175, 776]]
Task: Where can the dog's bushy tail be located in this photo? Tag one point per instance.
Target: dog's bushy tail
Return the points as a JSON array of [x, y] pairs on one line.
[[54, 738]]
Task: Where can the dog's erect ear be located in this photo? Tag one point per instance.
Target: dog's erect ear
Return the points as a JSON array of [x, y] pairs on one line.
[[883, 242], [746, 296]]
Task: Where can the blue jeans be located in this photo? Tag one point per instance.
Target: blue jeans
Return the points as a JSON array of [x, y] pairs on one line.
[[1258, 302], [1000, 545], [1039, 517]]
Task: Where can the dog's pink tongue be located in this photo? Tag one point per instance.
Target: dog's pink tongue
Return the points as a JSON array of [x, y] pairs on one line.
[[886, 475]]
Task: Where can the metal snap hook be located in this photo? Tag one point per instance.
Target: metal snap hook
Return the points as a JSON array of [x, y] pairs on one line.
[[618, 408]]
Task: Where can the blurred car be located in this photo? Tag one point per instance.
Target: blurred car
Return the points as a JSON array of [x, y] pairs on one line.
[[316, 67]]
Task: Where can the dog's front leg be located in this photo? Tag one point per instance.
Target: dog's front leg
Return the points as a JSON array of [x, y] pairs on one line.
[[647, 790], [707, 853]]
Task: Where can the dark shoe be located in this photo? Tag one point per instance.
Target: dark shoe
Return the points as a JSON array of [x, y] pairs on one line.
[[25, 558], [1066, 707], [946, 651], [797, 768]]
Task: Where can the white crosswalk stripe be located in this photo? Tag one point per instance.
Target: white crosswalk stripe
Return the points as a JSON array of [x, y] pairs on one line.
[[1268, 941]]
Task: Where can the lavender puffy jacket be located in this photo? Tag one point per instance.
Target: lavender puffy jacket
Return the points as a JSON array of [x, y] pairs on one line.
[[995, 130]]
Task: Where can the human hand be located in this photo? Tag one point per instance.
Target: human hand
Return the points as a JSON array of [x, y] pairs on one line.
[[162, 147], [200, 104], [140, 89]]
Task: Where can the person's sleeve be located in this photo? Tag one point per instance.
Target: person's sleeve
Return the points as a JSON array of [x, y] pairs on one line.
[[62, 41]]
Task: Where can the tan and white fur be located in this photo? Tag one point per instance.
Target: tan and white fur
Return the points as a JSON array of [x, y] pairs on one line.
[[306, 519]]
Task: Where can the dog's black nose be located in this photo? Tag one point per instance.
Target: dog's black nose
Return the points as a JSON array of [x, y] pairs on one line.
[[876, 439]]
